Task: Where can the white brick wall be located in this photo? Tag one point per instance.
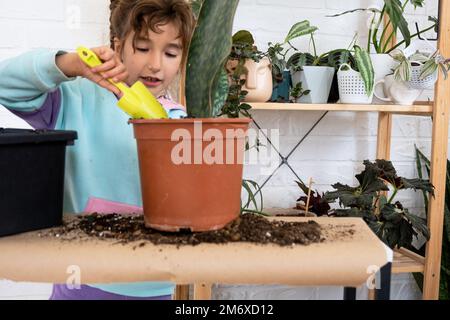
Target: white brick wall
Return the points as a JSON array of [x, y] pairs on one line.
[[333, 152]]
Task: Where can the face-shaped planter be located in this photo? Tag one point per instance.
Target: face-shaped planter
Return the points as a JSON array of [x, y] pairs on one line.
[[258, 79]]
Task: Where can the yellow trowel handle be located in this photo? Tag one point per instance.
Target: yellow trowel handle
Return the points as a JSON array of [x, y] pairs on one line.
[[90, 58], [137, 101]]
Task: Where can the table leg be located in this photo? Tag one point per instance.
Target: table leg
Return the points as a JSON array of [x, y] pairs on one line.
[[349, 293], [384, 292], [202, 291]]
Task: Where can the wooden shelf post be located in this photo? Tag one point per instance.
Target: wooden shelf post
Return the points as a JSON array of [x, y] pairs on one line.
[[439, 147]]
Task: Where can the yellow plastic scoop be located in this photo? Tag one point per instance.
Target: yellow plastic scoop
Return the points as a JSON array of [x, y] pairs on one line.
[[137, 101]]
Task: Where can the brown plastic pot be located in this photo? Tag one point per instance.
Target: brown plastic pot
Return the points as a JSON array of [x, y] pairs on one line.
[[190, 191]]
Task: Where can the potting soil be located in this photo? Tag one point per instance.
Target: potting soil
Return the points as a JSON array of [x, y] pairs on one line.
[[131, 228]]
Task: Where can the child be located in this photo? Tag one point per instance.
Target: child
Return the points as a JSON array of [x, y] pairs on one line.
[[56, 90]]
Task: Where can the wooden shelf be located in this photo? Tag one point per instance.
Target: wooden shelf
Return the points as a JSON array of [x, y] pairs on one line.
[[421, 108], [406, 261]]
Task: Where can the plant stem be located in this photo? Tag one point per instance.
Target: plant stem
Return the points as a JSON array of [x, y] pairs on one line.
[[375, 33], [393, 195], [414, 35], [292, 46], [255, 211], [370, 33], [314, 44]]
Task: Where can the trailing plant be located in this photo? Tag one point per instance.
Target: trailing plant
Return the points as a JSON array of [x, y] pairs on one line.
[[423, 163], [297, 91], [388, 218], [394, 11], [429, 62], [243, 48]]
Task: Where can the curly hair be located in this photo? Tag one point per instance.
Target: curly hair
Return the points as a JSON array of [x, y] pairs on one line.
[[142, 15]]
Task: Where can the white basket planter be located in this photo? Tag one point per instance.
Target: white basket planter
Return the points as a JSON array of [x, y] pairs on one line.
[[351, 87], [426, 83]]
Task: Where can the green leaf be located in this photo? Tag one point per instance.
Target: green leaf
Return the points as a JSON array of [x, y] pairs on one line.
[[243, 36], [395, 12], [196, 6], [208, 52], [365, 67], [304, 188], [377, 227], [299, 60], [247, 185], [419, 224], [389, 212], [417, 184], [417, 3], [385, 169], [299, 29], [220, 91], [369, 179], [429, 68], [338, 57], [350, 197]]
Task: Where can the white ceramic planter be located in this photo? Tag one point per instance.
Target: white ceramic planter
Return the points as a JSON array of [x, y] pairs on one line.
[[383, 64], [318, 79]]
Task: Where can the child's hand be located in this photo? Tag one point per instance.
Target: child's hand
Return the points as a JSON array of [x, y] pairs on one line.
[[112, 68]]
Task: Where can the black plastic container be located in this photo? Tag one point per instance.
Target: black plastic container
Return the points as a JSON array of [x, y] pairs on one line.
[[32, 164]]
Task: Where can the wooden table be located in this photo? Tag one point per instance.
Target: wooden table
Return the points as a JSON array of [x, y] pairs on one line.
[[344, 258]]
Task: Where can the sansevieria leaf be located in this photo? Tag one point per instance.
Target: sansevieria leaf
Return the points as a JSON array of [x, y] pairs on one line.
[[300, 29], [209, 49], [220, 92], [365, 67]]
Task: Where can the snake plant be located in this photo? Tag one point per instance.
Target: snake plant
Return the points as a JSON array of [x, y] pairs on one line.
[[206, 78]]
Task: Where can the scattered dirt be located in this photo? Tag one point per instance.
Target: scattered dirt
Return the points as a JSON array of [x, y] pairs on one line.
[[131, 228]]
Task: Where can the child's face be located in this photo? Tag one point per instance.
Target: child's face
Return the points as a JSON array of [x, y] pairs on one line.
[[156, 60]]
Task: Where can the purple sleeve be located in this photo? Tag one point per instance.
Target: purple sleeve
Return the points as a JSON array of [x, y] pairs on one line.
[[46, 116]]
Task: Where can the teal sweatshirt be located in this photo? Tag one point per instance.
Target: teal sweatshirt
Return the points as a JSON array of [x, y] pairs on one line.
[[103, 162]]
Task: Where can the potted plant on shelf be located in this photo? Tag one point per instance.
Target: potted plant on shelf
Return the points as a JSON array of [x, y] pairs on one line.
[[312, 75], [191, 169], [249, 71], [420, 69], [277, 54], [356, 78], [380, 35]]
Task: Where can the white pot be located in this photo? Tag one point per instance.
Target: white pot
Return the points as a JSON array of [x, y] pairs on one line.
[[351, 87], [397, 92], [383, 64], [317, 79]]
